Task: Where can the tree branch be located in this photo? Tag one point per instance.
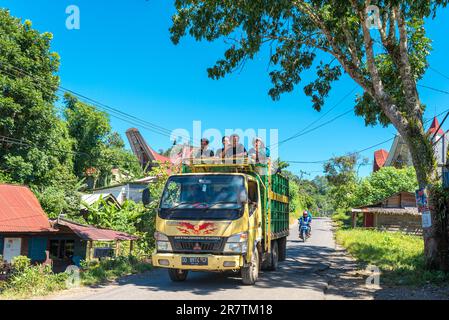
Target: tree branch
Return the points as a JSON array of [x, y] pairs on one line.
[[350, 67], [405, 69], [385, 101]]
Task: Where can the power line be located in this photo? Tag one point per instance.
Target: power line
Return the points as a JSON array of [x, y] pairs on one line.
[[131, 119], [367, 148], [303, 131], [433, 89], [313, 129], [439, 72]]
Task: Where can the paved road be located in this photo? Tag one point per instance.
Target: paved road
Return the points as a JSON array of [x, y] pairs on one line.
[[313, 270]]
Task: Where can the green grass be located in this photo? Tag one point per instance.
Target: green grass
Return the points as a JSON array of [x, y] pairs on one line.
[[399, 256], [33, 281], [30, 281], [107, 270]]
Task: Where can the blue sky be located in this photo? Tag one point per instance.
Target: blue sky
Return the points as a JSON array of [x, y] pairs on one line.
[[122, 56]]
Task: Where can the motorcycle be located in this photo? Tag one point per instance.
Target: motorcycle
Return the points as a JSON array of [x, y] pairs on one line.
[[304, 232]]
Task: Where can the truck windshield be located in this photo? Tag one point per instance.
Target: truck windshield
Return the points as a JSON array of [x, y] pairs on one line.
[[203, 197]]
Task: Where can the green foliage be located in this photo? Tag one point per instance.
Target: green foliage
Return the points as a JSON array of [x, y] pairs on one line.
[[341, 218], [97, 272], [309, 195], [384, 183], [28, 281], [27, 108], [95, 143], [400, 257], [340, 172], [109, 216], [293, 31], [21, 263]]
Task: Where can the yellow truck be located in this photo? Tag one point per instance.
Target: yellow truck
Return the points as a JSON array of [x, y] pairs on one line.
[[222, 217]]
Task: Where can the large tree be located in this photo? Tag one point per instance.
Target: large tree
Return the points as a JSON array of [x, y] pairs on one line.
[[35, 147], [96, 145], [385, 62]]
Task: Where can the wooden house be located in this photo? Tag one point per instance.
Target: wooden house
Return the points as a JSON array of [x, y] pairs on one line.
[[26, 230], [395, 213]]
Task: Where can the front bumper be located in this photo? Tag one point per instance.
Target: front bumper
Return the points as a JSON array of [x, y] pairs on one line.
[[215, 262]]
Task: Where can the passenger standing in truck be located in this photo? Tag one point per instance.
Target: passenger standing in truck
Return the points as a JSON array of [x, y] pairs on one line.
[[237, 150], [259, 153]]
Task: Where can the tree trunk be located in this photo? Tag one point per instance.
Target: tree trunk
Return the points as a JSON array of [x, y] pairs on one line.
[[436, 245]]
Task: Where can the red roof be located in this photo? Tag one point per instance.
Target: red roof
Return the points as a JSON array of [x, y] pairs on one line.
[[159, 157], [94, 234], [380, 156], [434, 126], [20, 210]]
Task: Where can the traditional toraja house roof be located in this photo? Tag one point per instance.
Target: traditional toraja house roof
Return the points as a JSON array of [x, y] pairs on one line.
[[399, 155], [20, 211], [380, 156], [142, 150], [434, 127], [86, 232]]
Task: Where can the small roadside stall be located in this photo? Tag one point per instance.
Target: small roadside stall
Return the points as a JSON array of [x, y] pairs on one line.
[[75, 242]]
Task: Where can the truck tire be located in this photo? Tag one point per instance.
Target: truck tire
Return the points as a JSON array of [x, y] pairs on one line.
[[178, 275], [250, 274], [282, 243], [274, 256]]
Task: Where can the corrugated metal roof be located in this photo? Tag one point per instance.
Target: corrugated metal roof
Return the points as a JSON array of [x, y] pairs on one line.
[[90, 199], [411, 211], [95, 234], [20, 210]]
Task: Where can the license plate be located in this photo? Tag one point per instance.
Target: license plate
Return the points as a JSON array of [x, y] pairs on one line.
[[194, 261]]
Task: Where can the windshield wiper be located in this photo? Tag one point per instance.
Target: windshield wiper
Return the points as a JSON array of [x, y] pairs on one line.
[[221, 202], [181, 203]]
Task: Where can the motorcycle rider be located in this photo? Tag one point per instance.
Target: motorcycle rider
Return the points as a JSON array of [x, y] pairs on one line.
[[307, 220]]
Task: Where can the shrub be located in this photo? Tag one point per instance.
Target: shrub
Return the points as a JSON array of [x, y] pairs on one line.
[[341, 218], [32, 281], [20, 264], [108, 269]]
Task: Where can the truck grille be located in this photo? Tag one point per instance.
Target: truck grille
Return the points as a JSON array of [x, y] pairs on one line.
[[197, 244]]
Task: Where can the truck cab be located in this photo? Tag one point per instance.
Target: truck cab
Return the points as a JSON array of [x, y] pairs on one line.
[[211, 220]]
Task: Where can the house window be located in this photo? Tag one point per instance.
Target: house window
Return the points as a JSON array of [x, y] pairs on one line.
[[61, 249]]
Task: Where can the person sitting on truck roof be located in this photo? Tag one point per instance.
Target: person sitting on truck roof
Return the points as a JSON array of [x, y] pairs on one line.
[[221, 153], [204, 151], [237, 150], [259, 153]]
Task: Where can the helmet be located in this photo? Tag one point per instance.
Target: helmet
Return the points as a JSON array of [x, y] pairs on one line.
[[305, 213]]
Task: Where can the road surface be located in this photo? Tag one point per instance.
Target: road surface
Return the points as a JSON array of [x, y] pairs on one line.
[[314, 270]]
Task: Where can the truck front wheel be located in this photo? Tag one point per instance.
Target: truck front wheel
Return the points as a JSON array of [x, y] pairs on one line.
[[250, 274], [177, 275]]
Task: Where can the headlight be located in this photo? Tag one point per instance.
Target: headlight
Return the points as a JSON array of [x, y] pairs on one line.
[[237, 243], [163, 246], [162, 242]]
